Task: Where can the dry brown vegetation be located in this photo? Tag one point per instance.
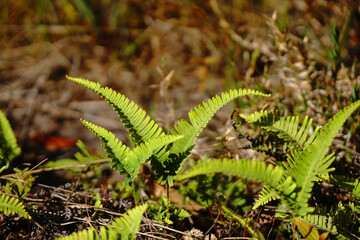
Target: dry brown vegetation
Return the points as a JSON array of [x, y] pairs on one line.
[[167, 56]]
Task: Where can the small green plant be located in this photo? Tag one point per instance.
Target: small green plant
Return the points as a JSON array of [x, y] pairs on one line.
[[8, 151], [159, 212], [166, 152], [292, 179], [8, 144]]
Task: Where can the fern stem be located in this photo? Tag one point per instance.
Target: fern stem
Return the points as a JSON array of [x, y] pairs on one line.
[[278, 234], [245, 225], [168, 197], [213, 220], [293, 227], [133, 188]]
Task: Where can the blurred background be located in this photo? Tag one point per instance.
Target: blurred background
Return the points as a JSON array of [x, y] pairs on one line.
[[168, 56]]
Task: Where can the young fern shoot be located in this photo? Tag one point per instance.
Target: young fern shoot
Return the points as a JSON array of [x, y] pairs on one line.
[[167, 153]]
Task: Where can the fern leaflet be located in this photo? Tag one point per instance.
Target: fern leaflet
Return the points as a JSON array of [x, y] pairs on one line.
[[349, 184], [140, 126], [127, 226], [12, 205], [86, 234], [274, 177], [266, 195], [124, 227], [8, 145], [202, 114], [126, 160], [305, 165]]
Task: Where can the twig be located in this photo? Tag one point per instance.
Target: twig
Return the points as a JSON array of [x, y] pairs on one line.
[[174, 230], [148, 235], [63, 167]]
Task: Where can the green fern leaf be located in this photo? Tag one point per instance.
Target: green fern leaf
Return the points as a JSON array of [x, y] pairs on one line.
[[199, 118], [266, 195], [144, 151], [274, 177], [140, 126], [11, 205], [128, 225], [262, 118], [321, 222], [126, 160], [8, 145], [288, 129], [305, 165], [124, 228], [116, 150], [351, 185], [86, 234], [202, 114]]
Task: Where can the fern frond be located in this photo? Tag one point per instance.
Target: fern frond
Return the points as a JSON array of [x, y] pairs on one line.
[[262, 118], [128, 225], [242, 221], [144, 151], [8, 144], [140, 126], [86, 234], [11, 205], [274, 177], [84, 155], [116, 150], [266, 195], [124, 227], [288, 129], [304, 166], [351, 185], [126, 160], [202, 114], [321, 222]]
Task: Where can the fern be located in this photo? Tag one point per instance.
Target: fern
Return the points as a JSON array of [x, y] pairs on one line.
[[166, 161], [337, 220], [199, 118], [125, 160], [304, 166], [124, 228], [244, 222], [351, 185], [288, 131], [127, 226], [84, 155], [202, 114], [321, 222], [275, 178], [262, 118], [8, 145], [11, 205], [140, 126], [86, 234], [295, 137], [266, 195]]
